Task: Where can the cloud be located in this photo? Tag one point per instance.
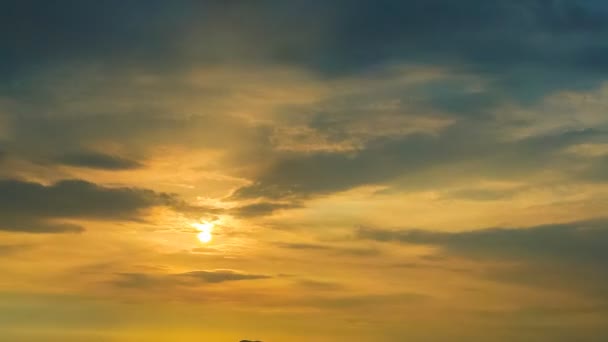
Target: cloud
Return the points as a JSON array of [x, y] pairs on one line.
[[483, 194], [466, 100], [418, 160], [262, 209], [220, 276], [568, 258], [339, 250], [33, 207], [382, 132], [36, 225], [12, 249], [369, 302], [506, 39], [95, 160], [193, 278], [597, 170], [582, 241], [303, 246]]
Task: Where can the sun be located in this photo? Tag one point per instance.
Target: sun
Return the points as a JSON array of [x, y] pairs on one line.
[[205, 237], [205, 229]]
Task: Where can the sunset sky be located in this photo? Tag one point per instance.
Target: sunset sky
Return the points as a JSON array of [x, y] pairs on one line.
[[296, 171]]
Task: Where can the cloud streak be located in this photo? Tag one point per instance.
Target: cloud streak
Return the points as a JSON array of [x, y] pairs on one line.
[[192, 278], [32, 207], [583, 241], [95, 160]]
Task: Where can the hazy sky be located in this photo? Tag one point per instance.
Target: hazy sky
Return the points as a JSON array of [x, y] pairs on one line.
[[311, 170]]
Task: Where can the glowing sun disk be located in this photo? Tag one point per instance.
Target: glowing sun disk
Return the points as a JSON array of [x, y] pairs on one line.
[[205, 231], [204, 237]]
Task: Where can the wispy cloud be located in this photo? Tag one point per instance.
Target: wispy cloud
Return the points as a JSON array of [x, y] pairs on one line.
[[192, 278], [96, 160]]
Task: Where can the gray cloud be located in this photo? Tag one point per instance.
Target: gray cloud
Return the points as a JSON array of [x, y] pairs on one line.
[[566, 257], [36, 225], [586, 279], [97, 160], [141, 128], [33, 207], [367, 302], [303, 246], [262, 209], [419, 160], [597, 170], [339, 250], [482, 194], [501, 37], [220, 276], [193, 278], [583, 241], [521, 50]]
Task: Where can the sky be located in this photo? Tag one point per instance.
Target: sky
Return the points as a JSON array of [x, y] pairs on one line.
[[342, 170]]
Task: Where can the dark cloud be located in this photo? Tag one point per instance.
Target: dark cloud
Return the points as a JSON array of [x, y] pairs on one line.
[[506, 39], [194, 278], [568, 257], [522, 50], [597, 170], [262, 209], [33, 207], [220, 276], [586, 279], [135, 128], [48, 140], [36, 225], [340, 250], [369, 302], [97, 160], [303, 246], [559, 40], [584, 241], [431, 266], [483, 194], [419, 160], [76, 198]]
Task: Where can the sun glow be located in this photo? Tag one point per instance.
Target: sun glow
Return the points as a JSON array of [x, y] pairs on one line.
[[205, 229], [205, 237]]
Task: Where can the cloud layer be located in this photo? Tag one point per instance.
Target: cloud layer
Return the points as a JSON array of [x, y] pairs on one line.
[[32, 207], [576, 241]]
